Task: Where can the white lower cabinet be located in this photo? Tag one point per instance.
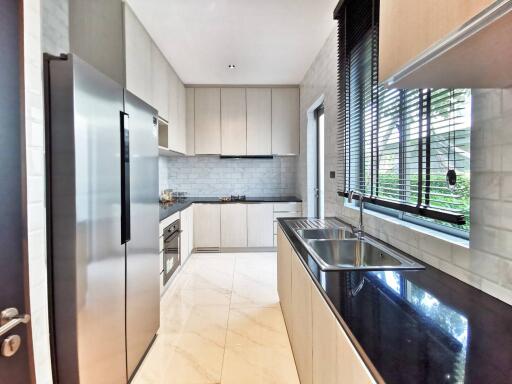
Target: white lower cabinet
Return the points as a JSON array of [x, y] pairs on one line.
[[324, 341], [206, 225], [351, 369], [233, 223], [301, 320], [187, 234], [322, 350], [260, 218], [284, 276]]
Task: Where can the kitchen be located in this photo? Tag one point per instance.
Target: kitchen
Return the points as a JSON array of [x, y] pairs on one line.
[[333, 179]]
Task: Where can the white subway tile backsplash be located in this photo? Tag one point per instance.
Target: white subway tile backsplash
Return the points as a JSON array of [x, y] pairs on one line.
[[212, 176]]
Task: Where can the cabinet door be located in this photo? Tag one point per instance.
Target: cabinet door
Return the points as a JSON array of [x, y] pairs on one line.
[[284, 277], [301, 315], [182, 118], [191, 229], [233, 225], [207, 225], [186, 234], [259, 121], [260, 221], [233, 121], [190, 122], [324, 340], [173, 109], [207, 121], [138, 57], [350, 366], [159, 82], [285, 121]]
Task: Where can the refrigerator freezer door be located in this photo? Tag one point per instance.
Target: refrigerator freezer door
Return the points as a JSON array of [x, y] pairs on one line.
[[87, 258], [142, 251]]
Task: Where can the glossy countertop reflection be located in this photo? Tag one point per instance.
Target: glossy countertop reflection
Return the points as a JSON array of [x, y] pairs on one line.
[[419, 326]]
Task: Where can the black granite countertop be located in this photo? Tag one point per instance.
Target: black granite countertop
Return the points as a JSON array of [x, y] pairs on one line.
[[418, 326], [167, 210]]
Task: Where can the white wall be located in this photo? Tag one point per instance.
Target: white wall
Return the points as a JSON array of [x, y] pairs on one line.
[[36, 210], [485, 262]]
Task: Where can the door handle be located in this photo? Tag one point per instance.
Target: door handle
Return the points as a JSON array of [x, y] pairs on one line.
[[10, 318]]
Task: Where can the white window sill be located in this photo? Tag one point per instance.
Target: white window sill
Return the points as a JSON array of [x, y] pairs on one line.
[[454, 240]]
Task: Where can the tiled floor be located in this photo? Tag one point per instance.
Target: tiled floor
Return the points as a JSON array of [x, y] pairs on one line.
[[221, 323]]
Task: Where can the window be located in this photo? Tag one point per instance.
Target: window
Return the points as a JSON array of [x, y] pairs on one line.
[[405, 150]]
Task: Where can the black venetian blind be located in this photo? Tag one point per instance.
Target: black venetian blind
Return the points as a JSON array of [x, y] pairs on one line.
[[397, 147]]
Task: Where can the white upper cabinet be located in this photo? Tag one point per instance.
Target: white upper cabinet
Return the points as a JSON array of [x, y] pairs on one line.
[[182, 118], [138, 57], [173, 100], [190, 121], [285, 121], [159, 82], [207, 121], [259, 121], [233, 121]]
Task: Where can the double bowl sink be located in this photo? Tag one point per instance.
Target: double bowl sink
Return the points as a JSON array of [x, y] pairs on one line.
[[337, 249]]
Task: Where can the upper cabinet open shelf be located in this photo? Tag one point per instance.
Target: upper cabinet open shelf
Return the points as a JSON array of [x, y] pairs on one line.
[[445, 44]]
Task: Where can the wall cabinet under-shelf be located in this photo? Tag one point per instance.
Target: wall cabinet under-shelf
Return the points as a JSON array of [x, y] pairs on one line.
[[447, 44]]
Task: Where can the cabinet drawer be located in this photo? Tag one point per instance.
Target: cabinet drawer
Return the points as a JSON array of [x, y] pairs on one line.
[[287, 207]]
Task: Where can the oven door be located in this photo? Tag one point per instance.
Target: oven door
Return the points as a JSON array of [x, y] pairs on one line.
[[171, 254]]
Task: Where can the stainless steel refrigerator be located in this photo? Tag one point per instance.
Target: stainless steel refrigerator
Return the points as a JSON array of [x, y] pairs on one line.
[[102, 180]]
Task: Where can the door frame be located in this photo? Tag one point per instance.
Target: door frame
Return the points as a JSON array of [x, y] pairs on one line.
[[311, 157], [15, 22]]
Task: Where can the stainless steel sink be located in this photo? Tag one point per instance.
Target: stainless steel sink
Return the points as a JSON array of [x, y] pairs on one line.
[[328, 233], [358, 254], [338, 248]]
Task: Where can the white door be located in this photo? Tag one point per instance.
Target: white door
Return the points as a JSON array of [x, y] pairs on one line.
[[207, 225], [207, 121], [285, 121], [259, 121], [233, 225], [260, 225], [160, 83], [233, 121]]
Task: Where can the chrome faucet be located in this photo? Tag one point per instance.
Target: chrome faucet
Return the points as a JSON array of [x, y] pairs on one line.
[[360, 230]]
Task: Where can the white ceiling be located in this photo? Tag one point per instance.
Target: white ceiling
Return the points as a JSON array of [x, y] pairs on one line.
[[269, 41]]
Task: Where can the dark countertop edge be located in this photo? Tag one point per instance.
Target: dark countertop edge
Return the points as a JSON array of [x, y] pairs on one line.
[[180, 206], [366, 360]]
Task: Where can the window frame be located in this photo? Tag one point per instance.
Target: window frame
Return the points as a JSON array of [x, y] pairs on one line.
[[401, 208]]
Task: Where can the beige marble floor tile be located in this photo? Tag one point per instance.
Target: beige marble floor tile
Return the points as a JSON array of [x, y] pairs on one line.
[[259, 365], [221, 317], [256, 327]]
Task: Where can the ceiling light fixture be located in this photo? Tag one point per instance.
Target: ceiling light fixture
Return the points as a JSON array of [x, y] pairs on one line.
[[231, 66]]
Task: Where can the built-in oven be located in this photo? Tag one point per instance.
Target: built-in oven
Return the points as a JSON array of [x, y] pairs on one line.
[[171, 253]]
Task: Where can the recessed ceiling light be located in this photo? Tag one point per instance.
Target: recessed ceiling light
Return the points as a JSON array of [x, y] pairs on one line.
[[231, 66]]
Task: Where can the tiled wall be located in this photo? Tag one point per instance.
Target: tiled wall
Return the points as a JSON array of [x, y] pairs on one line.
[[486, 262], [320, 80], [212, 176]]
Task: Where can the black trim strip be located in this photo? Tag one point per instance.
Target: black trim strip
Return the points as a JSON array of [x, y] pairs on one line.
[[422, 210], [125, 179]]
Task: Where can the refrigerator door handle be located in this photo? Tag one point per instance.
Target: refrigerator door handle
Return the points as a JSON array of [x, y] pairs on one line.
[[125, 178]]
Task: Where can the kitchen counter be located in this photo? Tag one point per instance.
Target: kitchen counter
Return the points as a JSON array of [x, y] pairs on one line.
[[167, 210], [417, 326]]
